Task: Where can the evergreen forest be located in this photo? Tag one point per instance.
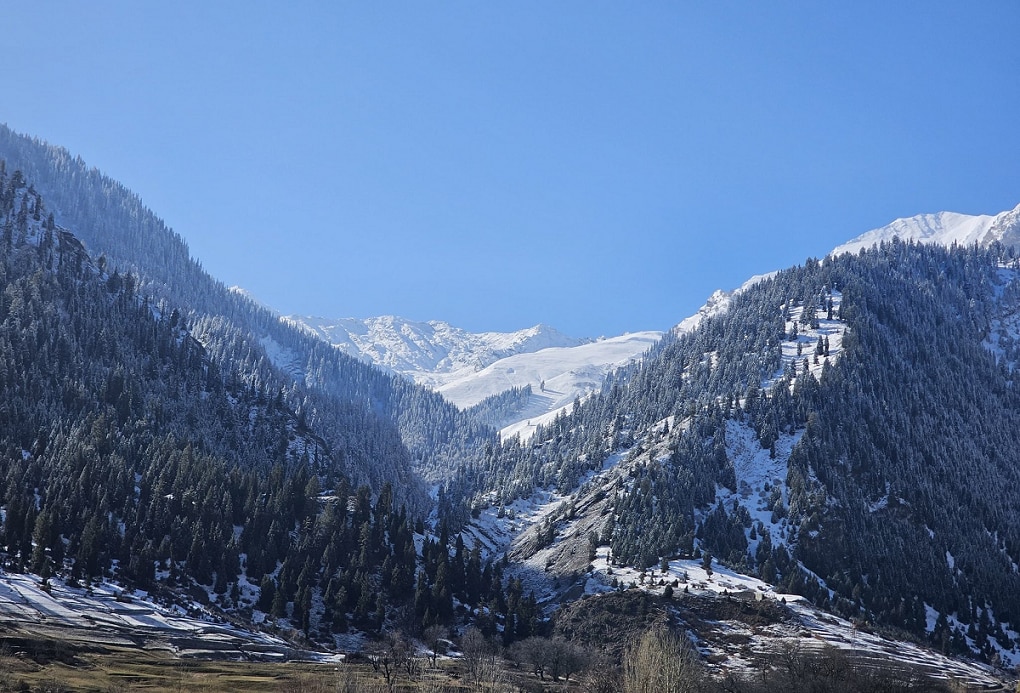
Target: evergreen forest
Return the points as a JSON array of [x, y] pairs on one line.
[[171, 435]]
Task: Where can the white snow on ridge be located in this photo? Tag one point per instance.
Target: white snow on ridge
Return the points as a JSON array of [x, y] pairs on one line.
[[943, 228], [717, 304], [431, 353], [467, 367]]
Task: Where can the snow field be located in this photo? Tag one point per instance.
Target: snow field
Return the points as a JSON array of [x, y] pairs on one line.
[[942, 228], [431, 353], [567, 372]]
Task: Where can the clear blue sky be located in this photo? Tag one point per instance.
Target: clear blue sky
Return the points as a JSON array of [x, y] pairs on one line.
[[601, 167]]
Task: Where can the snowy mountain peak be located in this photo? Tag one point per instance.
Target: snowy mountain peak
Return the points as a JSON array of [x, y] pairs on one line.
[[717, 304], [467, 368], [1006, 227], [433, 352], [943, 228]]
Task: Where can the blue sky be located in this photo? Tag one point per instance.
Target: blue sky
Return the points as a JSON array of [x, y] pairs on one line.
[[600, 167]]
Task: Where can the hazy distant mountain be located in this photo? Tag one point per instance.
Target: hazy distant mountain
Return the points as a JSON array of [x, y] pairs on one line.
[[432, 353], [468, 368], [944, 228]]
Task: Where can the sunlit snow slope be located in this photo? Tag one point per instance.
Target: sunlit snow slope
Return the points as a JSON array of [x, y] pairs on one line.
[[944, 228], [566, 372], [432, 353], [467, 367]]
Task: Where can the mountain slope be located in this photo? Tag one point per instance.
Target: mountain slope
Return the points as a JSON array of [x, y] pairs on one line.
[[431, 353], [130, 453], [557, 376], [840, 428], [132, 458], [243, 336]]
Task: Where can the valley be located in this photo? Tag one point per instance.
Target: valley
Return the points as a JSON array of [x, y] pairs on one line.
[[192, 478]]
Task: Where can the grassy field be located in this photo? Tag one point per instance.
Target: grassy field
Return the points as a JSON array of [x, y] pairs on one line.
[[132, 670], [137, 670]]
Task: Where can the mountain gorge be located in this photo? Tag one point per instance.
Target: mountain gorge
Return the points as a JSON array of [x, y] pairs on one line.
[[841, 435]]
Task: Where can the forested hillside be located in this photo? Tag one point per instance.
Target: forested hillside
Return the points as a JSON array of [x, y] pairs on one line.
[[840, 429], [131, 452], [897, 443], [113, 222]]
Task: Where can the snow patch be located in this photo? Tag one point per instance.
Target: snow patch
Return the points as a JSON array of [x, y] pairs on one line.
[[287, 360]]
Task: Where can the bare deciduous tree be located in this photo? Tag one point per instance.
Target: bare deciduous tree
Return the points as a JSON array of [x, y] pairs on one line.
[[556, 657], [602, 675], [476, 650], [434, 637], [661, 662]]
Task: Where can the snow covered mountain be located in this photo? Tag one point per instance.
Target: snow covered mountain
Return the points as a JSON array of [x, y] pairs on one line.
[[432, 353], [944, 228], [468, 367], [557, 376]]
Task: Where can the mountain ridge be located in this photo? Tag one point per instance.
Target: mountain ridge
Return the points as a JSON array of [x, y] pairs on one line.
[[731, 430], [431, 352], [943, 228], [237, 330]]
